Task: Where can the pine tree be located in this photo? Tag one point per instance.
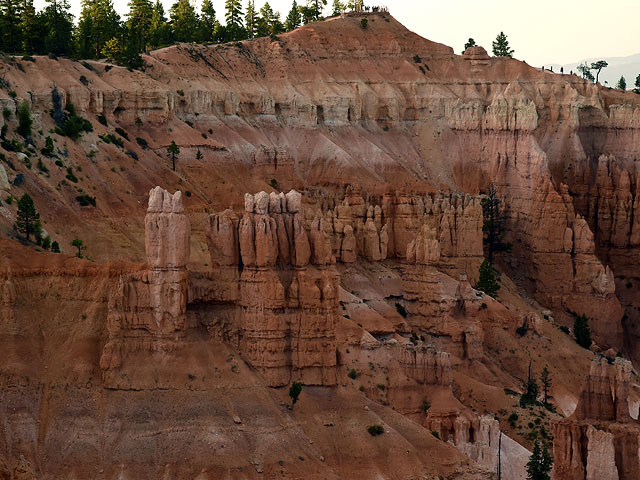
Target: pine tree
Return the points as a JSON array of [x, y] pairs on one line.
[[59, 27], [98, 24], [622, 83], [470, 43], [598, 66], [139, 23], [540, 463], [55, 247], [269, 22], [234, 29], [207, 21], [24, 120], [29, 27], [338, 8], [160, 33], [492, 224], [293, 19], [637, 84], [174, 151], [581, 331], [487, 282], [585, 69], [184, 20], [28, 218], [251, 19], [545, 380], [294, 392], [501, 46], [316, 7], [10, 14], [530, 388]]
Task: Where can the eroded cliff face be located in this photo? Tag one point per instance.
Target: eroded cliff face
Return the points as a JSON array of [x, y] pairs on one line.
[[600, 439], [390, 140]]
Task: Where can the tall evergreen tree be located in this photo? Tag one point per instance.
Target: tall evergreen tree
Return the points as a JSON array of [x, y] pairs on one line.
[[269, 22], [598, 66], [29, 28], [139, 23], [58, 27], [10, 14], [316, 7], [293, 19], [207, 21], [545, 381], [470, 43], [501, 46], [234, 29], [581, 331], [492, 224], [173, 150], [160, 33], [487, 282], [622, 83], [98, 24], [540, 463], [184, 21], [251, 20], [28, 218]]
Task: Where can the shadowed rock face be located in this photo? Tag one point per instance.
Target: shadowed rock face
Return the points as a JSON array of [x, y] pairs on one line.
[[600, 439]]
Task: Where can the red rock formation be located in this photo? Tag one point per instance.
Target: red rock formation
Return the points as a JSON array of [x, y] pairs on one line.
[[599, 440]]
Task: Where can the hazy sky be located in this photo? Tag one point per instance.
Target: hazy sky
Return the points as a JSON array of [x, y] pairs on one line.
[[559, 31]]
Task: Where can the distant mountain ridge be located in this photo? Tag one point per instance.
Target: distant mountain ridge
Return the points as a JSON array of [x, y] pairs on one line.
[[629, 67]]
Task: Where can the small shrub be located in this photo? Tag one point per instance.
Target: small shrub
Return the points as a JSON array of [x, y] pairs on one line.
[[6, 113], [274, 183], [435, 434], [425, 405], [102, 119], [363, 23], [55, 247], [629, 285], [108, 67], [86, 200], [132, 154], [13, 94], [88, 66], [353, 374], [522, 331], [59, 163], [180, 92], [142, 142], [294, 392], [513, 418], [9, 200], [565, 329], [401, 310], [84, 80], [187, 193], [375, 430], [70, 176], [47, 150], [381, 386], [46, 242], [417, 59], [122, 133]]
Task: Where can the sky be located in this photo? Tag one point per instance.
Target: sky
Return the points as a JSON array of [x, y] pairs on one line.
[[547, 31]]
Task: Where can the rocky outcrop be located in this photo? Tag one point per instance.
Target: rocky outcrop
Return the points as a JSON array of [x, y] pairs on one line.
[[599, 440], [147, 311]]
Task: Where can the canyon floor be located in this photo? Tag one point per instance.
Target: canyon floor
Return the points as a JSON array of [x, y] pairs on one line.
[[323, 225]]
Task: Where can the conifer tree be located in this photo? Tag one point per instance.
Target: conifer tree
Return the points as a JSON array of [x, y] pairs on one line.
[[184, 21], [338, 8], [10, 32], [470, 43], [207, 21], [268, 22], [294, 392], [24, 120], [545, 381], [160, 33], [58, 27], [637, 84], [487, 282], [28, 218], [98, 24], [234, 30], [581, 331], [540, 463], [316, 7], [598, 66], [585, 69], [501, 46], [492, 224], [622, 83], [139, 23], [293, 19], [174, 151], [251, 19], [29, 28]]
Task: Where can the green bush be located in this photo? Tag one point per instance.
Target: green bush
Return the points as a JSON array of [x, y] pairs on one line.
[[142, 142], [353, 374], [24, 120], [581, 331], [487, 282], [364, 22], [72, 125], [70, 176], [86, 200], [375, 430], [102, 119], [122, 133], [47, 150]]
